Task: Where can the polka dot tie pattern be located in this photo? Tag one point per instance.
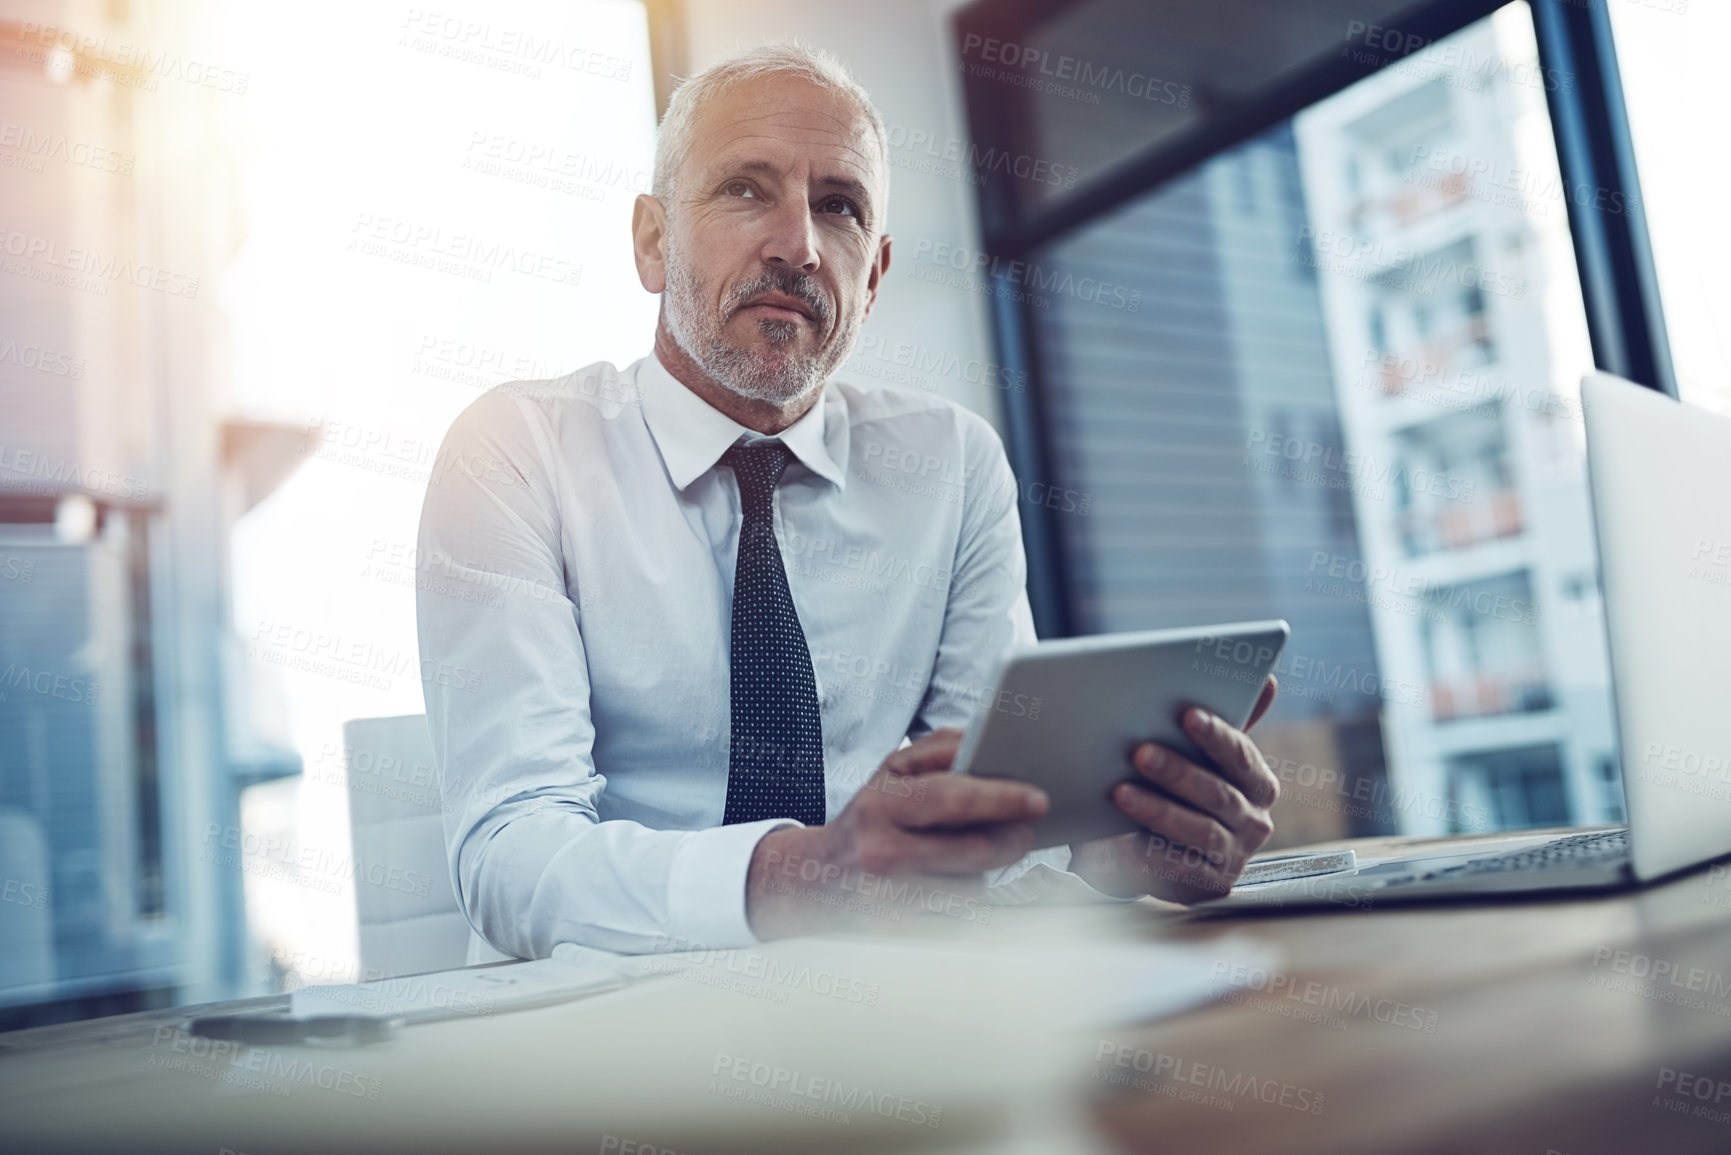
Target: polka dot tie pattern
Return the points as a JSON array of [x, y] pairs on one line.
[[775, 759]]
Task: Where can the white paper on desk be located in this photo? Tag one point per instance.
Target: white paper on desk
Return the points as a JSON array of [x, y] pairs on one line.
[[1096, 983], [1138, 982], [1107, 984], [469, 992], [1000, 1010]]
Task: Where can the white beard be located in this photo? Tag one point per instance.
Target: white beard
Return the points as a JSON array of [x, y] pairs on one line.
[[779, 375]]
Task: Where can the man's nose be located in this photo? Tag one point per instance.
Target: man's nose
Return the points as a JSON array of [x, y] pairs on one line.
[[792, 240]]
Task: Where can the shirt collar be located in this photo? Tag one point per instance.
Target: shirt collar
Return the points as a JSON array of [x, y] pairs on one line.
[[692, 434]]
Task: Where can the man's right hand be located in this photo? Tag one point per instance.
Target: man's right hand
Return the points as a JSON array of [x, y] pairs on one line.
[[911, 823]]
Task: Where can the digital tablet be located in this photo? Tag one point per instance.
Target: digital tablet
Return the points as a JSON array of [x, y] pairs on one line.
[[1065, 715]]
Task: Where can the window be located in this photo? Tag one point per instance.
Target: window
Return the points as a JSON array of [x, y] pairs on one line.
[[1328, 370], [210, 482], [1509, 788], [1671, 57]]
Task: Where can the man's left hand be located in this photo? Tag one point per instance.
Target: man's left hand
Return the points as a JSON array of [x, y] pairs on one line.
[[1200, 825]]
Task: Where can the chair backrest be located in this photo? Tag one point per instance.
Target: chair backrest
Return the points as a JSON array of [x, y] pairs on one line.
[[409, 919]]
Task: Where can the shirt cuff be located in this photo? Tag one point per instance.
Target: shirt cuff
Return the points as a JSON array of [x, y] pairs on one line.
[[1043, 876], [706, 884]]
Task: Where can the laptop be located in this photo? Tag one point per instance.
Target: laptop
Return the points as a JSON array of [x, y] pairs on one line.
[[1660, 478]]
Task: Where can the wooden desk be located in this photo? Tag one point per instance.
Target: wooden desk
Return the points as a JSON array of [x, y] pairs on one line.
[[1521, 1026], [1513, 1025]]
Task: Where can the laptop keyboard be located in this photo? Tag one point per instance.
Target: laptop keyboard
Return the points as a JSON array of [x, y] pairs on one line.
[[1606, 846]]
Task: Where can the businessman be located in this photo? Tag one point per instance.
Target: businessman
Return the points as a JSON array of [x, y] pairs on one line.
[[721, 617]]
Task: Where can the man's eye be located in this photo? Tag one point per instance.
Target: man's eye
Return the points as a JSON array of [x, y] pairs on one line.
[[738, 188], [840, 205]]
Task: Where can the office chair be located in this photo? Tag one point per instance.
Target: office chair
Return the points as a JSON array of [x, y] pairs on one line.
[[409, 919]]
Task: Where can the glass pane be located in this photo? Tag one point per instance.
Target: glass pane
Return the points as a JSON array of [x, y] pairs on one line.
[[254, 269], [1671, 55], [1104, 80], [1342, 388]]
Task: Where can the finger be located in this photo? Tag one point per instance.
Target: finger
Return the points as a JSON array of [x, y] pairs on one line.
[[928, 755], [1193, 881], [1270, 688], [1236, 755], [965, 800], [971, 851], [1154, 865], [1175, 822], [1194, 785]]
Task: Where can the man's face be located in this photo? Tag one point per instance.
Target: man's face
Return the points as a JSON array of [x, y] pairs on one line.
[[773, 247]]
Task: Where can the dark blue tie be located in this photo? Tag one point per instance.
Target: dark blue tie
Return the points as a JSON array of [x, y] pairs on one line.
[[775, 758]]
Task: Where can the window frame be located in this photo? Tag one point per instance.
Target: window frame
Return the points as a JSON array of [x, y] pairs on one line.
[[1589, 119]]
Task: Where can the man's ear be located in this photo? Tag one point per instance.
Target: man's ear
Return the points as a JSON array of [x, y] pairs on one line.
[[879, 268], [649, 241]]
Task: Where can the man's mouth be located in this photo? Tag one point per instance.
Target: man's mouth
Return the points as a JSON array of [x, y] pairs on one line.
[[780, 306]]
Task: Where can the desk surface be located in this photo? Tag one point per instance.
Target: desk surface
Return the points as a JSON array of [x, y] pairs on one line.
[[1581, 1025], [1530, 1025]]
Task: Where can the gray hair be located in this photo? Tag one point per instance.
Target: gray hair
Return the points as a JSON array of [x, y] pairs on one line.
[[781, 58]]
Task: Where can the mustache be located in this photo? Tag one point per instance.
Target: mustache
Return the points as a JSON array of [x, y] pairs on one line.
[[802, 287]]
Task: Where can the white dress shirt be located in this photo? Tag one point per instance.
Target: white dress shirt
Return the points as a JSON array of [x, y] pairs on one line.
[[577, 551]]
